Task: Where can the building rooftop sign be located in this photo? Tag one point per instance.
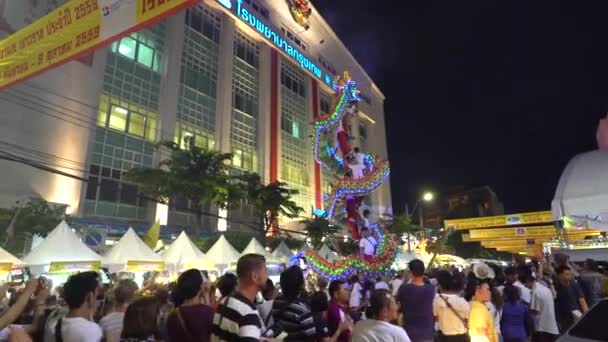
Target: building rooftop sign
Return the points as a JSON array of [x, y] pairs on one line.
[[247, 16]]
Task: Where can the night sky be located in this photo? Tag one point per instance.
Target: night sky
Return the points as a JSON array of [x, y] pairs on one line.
[[497, 93]]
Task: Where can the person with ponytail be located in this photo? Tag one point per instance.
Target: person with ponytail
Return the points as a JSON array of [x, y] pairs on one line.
[[191, 321]]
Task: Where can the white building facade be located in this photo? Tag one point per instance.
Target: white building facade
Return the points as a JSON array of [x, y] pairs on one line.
[[238, 76]]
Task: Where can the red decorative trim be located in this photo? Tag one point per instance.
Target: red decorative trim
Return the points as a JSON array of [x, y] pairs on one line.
[[274, 115], [105, 42], [315, 115]]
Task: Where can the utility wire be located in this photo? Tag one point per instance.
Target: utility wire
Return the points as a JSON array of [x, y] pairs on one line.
[[11, 157]]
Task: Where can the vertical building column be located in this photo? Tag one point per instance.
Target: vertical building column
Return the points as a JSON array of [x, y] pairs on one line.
[[275, 124], [169, 87], [316, 167], [223, 105], [263, 126], [167, 105]]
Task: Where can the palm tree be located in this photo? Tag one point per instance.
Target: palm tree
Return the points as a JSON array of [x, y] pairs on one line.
[[440, 246], [270, 200], [198, 175], [318, 229], [401, 224]]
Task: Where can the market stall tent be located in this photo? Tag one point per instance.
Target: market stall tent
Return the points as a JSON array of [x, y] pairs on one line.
[[131, 254], [255, 247], [582, 191], [222, 253], [8, 258], [62, 251], [282, 253], [183, 254]]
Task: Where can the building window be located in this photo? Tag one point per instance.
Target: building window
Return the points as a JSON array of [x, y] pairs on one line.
[[324, 103], [295, 149], [186, 134], [365, 98], [294, 38], [296, 85], [243, 132], [204, 20], [127, 117], [258, 8], [197, 92], [362, 131], [133, 68], [245, 159], [325, 64], [133, 48]]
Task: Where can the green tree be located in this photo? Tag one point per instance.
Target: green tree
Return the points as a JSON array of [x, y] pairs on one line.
[[401, 224], [35, 216], [318, 228], [440, 246], [270, 200], [196, 174]]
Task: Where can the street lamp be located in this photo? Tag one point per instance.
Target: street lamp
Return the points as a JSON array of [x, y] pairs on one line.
[[428, 196]]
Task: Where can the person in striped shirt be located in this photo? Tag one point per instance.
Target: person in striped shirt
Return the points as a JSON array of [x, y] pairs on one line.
[[291, 311], [237, 318]]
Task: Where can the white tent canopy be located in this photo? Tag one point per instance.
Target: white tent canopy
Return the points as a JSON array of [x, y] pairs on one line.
[[282, 253], [256, 247], [8, 258], [582, 192], [183, 254], [60, 245], [130, 248], [222, 252]]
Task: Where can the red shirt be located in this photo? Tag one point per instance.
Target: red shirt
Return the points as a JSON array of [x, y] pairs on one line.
[[334, 318]]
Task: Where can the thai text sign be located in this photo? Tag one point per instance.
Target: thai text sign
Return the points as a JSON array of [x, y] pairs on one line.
[[271, 35], [498, 221], [74, 266], [73, 29]]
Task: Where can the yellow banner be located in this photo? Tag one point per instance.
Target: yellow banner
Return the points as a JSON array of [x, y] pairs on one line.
[[535, 250], [74, 266], [5, 267], [145, 266], [512, 243], [497, 221], [572, 235], [518, 232], [73, 29]]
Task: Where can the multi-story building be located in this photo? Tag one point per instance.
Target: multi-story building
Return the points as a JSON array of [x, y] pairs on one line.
[[238, 76]]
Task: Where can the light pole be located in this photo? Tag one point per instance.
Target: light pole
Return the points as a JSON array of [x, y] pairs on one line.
[[426, 197]]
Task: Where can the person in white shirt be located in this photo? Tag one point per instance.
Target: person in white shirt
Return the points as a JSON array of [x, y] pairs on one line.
[[111, 324], [381, 284], [367, 244], [397, 282], [365, 219], [383, 310], [543, 308], [80, 293], [512, 275], [451, 310], [358, 156], [356, 297]]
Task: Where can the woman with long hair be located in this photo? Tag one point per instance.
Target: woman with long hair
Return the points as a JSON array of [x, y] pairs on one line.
[[192, 318], [141, 321]]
